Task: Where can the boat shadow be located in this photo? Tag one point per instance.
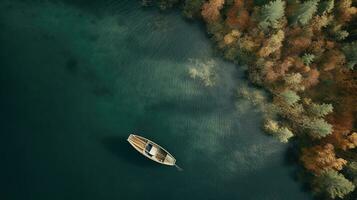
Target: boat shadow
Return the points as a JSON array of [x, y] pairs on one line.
[[120, 148]]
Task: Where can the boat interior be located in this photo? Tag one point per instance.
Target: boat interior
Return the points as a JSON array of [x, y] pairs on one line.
[[153, 151]]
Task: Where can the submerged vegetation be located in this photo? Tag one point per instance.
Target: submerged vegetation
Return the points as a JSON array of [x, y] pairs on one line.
[[301, 53]]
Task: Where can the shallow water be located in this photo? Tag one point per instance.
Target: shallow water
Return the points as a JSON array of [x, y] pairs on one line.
[[78, 76]]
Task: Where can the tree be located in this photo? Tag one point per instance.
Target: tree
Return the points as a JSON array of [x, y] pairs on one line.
[[319, 158], [308, 58], [305, 12], [192, 7], [326, 6], [333, 184], [271, 13], [352, 171], [273, 44], [210, 10], [271, 126], [293, 79], [312, 78], [290, 97], [320, 110], [317, 128], [333, 59], [238, 15], [346, 10], [284, 134], [350, 51], [341, 34]]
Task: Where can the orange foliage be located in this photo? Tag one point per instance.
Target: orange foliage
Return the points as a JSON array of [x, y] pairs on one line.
[[312, 78], [238, 16], [346, 11], [333, 59], [298, 44], [321, 157], [210, 10], [284, 66]]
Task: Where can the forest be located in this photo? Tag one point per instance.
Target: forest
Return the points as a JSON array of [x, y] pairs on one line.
[[304, 54]]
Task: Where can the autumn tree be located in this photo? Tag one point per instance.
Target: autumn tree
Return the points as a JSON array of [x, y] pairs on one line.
[[318, 158], [293, 81], [312, 78], [210, 10], [283, 134], [332, 184], [273, 44], [345, 10], [304, 12], [238, 15]]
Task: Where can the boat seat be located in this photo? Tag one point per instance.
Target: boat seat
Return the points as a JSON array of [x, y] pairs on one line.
[[153, 151]]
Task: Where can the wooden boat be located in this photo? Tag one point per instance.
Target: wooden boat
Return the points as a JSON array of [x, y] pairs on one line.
[[151, 150]]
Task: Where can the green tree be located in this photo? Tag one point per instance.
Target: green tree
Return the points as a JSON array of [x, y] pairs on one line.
[[308, 58], [326, 6], [333, 184], [271, 13], [350, 51], [352, 171], [290, 97], [318, 128], [320, 110], [192, 7], [341, 35], [284, 134], [305, 12]]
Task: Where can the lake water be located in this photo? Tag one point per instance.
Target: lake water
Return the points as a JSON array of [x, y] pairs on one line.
[[77, 77]]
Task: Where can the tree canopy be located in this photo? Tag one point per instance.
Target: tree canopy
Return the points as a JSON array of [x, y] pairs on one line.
[[333, 183], [317, 128], [305, 12], [290, 97], [350, 51], [320, 110], [271, 13]]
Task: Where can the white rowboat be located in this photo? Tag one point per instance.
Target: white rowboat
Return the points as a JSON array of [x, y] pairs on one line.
[[151, 150]]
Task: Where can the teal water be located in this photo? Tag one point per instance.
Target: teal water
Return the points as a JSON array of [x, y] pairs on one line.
[[78, 76]]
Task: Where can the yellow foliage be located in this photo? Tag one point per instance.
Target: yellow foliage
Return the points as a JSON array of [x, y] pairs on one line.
[[321, 157], [273, 44]]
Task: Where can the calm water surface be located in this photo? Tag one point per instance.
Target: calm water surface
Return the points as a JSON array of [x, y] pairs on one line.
[[78, 76]]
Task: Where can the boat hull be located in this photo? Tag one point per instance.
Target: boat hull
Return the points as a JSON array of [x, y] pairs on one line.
[[151, 150]]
